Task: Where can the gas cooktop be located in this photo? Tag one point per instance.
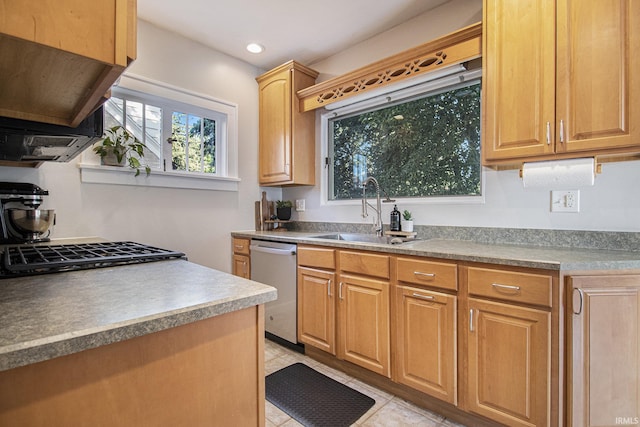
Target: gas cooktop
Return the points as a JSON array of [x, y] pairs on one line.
[[26, 260]]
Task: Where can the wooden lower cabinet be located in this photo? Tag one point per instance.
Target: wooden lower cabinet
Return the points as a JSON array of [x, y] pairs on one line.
[[426, 342], [241, 257], [508, 355], [242, 266], [205, 373], [364, 336], [604, 350], [316, 308]]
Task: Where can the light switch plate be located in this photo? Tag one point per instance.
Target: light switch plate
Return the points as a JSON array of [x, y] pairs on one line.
[[300, 205], [565, 201]]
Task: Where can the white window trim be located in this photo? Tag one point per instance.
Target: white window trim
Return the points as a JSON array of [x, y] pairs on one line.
[[396, 92], [91, 171]]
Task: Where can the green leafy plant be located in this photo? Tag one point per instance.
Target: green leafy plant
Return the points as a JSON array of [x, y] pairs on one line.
[[284, 204], [407, 215], [123, 145]]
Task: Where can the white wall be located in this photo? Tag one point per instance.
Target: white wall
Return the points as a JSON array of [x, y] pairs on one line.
[[613, 204], [194, 221]]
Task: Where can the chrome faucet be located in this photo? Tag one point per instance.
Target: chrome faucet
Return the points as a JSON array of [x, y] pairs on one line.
[[378, 208]]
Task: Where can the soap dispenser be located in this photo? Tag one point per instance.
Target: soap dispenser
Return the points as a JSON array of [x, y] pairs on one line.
[[395, 219]]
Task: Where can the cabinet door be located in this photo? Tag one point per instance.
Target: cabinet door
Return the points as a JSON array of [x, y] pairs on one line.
[[604, 354], [316, 308], [242, 266], [598, 83], [275, 128], [364, 323], [426, 328], [518, 78], [509, 363]]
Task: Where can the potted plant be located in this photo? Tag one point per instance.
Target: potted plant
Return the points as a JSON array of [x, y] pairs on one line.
[[283, 209], [407, 221], [119, 147]]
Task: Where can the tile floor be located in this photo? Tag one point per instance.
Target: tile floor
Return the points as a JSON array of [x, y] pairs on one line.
[[388, 411]]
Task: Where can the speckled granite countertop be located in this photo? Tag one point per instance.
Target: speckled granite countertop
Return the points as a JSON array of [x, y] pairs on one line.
[[546, 257], [42, 317]]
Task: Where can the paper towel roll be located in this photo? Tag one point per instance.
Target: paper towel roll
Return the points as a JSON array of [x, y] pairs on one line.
[[559, 174]]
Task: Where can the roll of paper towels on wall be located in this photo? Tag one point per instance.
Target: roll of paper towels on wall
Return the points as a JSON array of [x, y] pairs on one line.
[[559, 174]]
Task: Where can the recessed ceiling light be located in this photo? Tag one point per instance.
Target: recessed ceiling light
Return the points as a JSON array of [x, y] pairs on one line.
[[255, 48]]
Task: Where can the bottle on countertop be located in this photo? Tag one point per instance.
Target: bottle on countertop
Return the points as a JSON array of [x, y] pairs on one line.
[[395, 219]]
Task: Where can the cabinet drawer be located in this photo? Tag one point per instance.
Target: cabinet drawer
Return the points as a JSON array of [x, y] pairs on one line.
[[527, 288], [428, 273], [317, 257], [365, 263], [241, 246]]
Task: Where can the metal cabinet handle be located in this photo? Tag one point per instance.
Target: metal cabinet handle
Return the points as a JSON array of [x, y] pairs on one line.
[[340, 291], [581, 300], [471, 320], [244, 267], [419, 273], [548, 133], [239, 247], [498, 286], [561, 131], [329, 288], [426, 297]]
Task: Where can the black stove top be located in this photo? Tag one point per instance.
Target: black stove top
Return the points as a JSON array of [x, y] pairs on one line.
[[26, 260]]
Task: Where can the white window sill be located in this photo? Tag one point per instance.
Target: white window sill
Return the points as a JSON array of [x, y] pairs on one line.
[[98, 174]]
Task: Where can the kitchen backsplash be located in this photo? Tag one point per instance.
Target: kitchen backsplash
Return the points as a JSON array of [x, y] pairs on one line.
[[609, 240]]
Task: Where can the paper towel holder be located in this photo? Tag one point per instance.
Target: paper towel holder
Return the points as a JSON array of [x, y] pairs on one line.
[[596, 166]]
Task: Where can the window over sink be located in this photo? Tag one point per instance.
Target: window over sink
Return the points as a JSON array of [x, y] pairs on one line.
[[421, 141], [190, 139]]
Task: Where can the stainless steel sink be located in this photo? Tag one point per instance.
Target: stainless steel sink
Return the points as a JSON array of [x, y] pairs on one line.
[[365, 238]]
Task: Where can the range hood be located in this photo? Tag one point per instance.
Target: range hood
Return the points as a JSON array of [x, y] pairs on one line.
[[27, 141]]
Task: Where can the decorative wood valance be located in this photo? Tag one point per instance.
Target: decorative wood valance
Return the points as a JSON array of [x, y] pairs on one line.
[[454, 48]]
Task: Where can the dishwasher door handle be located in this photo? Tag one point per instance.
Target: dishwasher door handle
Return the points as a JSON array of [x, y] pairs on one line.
[[275, 251]]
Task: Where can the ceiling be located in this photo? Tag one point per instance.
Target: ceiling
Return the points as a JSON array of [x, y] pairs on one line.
[[304, 30]]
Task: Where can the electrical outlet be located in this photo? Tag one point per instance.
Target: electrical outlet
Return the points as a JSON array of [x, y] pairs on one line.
[[565, 201], [300, 205]]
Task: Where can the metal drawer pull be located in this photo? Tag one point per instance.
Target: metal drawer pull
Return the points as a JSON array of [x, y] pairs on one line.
[[329, 288], [498, 286], [580, 294], [419, 273], [471, 319], [239, 247], [548, 133], [340, 291], [427, 297], [561, 131]]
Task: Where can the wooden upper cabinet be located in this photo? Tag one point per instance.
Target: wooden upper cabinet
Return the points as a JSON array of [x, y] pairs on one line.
[[59, 60], [518, 78], [287, 136], [598, 75], [560, 79]]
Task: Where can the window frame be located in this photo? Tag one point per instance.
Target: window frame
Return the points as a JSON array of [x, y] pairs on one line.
[[160, 94], [403, 91]]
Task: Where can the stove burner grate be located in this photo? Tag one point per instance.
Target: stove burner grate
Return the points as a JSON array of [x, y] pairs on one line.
[[25, 260]]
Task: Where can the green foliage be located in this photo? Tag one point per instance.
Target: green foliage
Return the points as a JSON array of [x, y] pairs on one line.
[[195, 136], [284, 204], [121, 143], [407, 215], [424, 147]]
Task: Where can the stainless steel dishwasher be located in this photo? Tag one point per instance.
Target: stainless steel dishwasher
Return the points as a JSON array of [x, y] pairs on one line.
[[274, 264]]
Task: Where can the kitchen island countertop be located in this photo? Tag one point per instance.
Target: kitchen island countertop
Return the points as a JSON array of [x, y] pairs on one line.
[[545, 257], [51, 315]]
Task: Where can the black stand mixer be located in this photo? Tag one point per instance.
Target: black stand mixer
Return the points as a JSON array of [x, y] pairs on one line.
[[21, 220]]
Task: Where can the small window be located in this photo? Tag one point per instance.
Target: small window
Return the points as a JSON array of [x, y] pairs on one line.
[[178, 137], [424, 146]]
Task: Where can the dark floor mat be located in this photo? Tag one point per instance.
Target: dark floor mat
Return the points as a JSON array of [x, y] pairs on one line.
[[314, 399]]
